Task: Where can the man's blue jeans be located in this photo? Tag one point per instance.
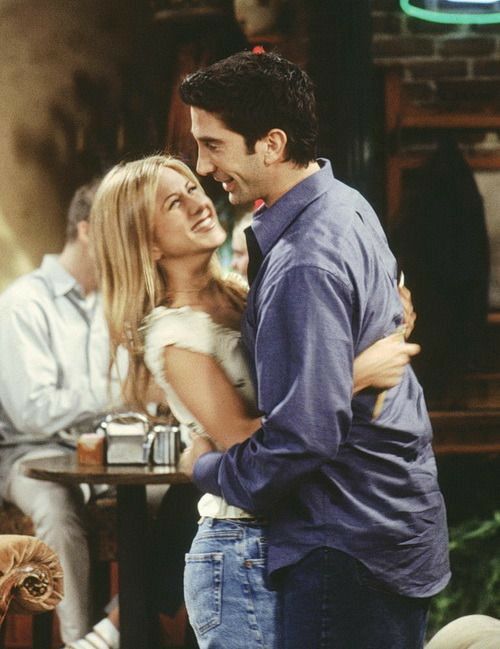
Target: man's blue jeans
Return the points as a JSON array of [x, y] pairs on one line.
[[330, 601]]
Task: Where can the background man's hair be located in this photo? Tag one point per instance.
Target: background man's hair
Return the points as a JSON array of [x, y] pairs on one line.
[[254, 93], [80, 206]]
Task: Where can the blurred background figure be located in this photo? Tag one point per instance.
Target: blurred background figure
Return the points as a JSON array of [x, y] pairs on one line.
[[239, 258], [257, 17], [54, 347]]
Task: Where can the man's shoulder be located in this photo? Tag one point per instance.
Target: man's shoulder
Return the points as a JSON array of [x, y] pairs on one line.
[[332, 236], [30, 289], [345, 199], [299, 276], [338, 223]]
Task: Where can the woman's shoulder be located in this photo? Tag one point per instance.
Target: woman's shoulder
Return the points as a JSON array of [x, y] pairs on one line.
[[172, 316], [183, 327]]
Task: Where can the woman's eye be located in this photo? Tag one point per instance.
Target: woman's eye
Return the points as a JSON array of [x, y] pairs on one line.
[[175, 203], [192, 189]]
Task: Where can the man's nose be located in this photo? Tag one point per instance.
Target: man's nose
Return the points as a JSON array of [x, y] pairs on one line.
[[203, 165]]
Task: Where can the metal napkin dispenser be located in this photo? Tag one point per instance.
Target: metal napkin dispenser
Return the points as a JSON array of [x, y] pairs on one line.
[[166, 448], [130, 439], [126, 435]]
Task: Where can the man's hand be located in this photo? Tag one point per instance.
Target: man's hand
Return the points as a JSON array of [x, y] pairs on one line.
[[198, 447]]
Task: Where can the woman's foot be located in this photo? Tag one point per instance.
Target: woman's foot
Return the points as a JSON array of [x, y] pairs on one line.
[[103, 636]]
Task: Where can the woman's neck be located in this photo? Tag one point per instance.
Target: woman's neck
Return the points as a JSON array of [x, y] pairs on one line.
[[195, 286], [189, 285]]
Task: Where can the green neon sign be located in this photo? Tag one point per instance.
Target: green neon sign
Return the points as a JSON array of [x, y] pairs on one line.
[[450, 17]]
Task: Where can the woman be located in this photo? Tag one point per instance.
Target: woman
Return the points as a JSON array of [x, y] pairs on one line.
[[155, 233]]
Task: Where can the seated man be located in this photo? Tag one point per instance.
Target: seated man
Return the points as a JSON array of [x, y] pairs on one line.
[[54, 382]]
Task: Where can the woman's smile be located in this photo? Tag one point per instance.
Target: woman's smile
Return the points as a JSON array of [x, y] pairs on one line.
[[204, 224]]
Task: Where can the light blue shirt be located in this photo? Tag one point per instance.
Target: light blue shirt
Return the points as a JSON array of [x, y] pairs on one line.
[[54, 351]]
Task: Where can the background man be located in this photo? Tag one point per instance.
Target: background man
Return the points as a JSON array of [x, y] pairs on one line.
[[239, 257], [357, 526], [53, 383]]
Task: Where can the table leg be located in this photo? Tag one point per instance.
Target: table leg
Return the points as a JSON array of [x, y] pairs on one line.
[[137, 619], [41, 628]]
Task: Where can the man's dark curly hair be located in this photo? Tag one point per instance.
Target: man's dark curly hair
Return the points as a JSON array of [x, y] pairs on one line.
[[254, 93]]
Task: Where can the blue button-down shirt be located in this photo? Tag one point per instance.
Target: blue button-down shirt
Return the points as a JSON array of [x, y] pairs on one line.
[[321, 470]]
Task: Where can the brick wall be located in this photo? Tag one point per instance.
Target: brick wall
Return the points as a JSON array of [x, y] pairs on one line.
[[443, 64], [449, 67]]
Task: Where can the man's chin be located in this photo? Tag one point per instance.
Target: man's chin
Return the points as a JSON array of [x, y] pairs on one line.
[[234, 199]]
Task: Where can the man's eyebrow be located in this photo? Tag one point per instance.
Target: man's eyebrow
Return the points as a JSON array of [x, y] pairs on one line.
[[206, 139]]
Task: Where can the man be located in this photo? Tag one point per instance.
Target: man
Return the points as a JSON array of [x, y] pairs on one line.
[[357, 529], [54, 382]]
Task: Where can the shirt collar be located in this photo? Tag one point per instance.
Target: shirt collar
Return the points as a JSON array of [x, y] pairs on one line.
[[60, 281], [269, 223]]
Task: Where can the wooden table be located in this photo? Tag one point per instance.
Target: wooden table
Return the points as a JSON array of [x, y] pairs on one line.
[[138, 620]]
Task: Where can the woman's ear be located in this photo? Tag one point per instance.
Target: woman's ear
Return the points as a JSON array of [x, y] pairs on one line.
[[156, 253]]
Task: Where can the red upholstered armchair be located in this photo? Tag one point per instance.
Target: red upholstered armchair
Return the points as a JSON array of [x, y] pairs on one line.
[[31, 579]]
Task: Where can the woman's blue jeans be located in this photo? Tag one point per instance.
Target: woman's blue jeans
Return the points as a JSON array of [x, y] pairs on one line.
[[227, 598], [330, 601]]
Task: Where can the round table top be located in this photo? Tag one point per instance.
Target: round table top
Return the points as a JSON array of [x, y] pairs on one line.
[[67, 470]]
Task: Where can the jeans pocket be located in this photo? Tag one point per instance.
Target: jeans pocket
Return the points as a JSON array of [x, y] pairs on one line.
[[203, 590], [256, 552]]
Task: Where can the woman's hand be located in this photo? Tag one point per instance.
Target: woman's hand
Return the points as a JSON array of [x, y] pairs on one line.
[[382, 365], [198, 447], [409, 312]]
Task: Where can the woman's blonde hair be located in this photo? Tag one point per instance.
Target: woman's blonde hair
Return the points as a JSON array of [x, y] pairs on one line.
[[132, 283]]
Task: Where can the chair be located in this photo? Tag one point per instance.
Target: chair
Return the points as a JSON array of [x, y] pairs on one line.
[[102, 538], [31, 579], [468, 632]]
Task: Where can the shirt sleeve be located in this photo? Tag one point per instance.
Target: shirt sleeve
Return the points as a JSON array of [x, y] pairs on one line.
[[33, 392], [183, 327], [303, 359]]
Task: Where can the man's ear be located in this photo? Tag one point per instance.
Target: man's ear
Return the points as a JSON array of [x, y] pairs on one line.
[[275, 144], [83, 230]]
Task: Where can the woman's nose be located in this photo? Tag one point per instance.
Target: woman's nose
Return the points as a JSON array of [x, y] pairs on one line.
[[196, 202]]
